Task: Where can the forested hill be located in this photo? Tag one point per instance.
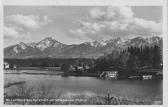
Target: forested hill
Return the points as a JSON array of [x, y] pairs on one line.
[[132, 58]]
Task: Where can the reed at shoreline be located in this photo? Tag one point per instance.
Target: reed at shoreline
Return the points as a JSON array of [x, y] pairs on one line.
[[42, 95]]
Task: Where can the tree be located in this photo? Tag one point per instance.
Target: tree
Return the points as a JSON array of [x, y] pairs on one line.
[[156, 61], [34, 64], [56, 65], [133, 63], [44, 64], [102, 64], [121, 61], [65, 67]]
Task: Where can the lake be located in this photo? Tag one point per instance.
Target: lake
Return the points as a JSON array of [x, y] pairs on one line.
[[148, 89]]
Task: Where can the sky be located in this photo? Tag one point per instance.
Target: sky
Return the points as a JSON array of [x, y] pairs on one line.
[[78, 24]]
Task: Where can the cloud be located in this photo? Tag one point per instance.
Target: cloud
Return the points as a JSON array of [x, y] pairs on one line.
[[150, 25], [28, 21], [111, 13], [117, 21], [14, 33], [96, 13], [16, 26]]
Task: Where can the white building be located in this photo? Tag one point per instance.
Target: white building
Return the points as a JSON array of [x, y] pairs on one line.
[[145, 77], [6, 65], [14, 66], [109, 74]]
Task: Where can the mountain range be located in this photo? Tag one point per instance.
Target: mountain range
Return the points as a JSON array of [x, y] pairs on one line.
[[51, 48]]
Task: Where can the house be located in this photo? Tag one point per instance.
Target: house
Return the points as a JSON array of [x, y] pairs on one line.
[[87, 67], [146, 77], [109, 74], [6, 65], [71, 68], [135, 77], [14, 66], [150, 74], [80, 68]]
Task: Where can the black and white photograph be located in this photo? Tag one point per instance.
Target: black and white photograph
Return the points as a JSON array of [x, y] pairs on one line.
[[83, 55]]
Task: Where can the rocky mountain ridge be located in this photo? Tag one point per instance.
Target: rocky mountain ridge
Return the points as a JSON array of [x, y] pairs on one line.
[[49, 47]]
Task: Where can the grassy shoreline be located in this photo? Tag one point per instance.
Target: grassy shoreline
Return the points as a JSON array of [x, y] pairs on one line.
[[42, 95], [78, 100]]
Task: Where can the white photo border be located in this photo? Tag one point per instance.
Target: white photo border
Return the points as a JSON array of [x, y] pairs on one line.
[[162, 3]]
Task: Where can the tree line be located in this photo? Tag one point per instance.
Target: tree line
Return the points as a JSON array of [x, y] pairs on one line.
[[131, 59]]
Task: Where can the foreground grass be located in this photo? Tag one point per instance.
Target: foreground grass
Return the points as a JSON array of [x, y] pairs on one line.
[[42, 95]]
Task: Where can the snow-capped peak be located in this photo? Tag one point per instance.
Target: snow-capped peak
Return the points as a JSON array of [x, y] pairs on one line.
[[47, 42], [15, 49], [112, 40], [48, 39], [153, 40], [31, 44], [22, 45], [57, 44], [96, 43], [116, 41]]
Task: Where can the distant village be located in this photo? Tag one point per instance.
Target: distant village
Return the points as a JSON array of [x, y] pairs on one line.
[[87, 70]]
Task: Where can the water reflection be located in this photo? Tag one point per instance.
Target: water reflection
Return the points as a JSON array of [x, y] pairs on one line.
[[128, 88]]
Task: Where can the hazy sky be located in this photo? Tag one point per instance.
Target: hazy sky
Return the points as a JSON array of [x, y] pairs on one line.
[[77, 24]]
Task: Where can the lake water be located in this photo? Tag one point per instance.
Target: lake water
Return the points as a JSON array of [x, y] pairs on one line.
[[147, 89]]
